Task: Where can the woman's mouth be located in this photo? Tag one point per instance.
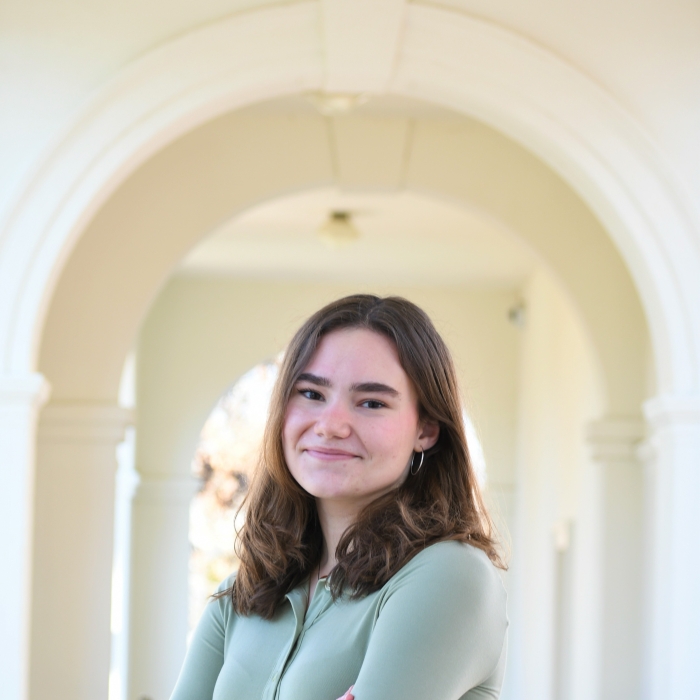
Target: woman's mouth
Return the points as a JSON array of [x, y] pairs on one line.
[[329, 455]]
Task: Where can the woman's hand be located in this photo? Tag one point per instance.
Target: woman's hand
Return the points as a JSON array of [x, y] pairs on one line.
[[348, 694]]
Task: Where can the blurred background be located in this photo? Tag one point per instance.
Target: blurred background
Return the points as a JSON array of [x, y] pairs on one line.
[[181, 185]]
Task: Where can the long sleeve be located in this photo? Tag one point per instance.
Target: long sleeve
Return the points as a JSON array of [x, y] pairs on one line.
[[205, 656], [440, 631]]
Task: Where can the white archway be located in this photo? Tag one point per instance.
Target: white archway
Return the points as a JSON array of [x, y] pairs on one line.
[[443, 57], [439, 56]]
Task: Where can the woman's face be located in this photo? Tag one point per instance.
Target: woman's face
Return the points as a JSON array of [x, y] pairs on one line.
[[351, 425]]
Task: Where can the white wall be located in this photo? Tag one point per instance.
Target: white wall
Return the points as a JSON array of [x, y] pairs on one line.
[[558, 493]]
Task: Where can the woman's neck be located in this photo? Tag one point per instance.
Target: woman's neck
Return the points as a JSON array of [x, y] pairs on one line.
[[335, 517]]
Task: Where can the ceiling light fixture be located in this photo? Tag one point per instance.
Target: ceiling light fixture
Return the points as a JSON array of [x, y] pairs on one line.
[[338, 230], [332, 104]]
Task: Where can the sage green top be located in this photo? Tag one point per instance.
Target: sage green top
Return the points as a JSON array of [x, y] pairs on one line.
[[435, 631]]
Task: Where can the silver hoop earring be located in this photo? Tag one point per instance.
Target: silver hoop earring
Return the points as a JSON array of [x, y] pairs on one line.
[[413, 459]]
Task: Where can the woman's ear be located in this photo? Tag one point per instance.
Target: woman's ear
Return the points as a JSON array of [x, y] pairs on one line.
[[428, 435]]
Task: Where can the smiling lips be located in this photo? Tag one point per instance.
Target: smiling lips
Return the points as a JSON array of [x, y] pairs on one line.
[[329, 455]]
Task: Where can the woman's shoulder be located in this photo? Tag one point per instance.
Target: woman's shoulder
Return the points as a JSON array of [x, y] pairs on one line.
[[453, 566], [450, 555], [450, 583], [221, 598], [226, 583]]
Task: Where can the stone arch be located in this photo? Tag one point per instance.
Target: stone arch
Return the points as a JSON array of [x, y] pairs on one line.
[[446, 58], [245, 157]]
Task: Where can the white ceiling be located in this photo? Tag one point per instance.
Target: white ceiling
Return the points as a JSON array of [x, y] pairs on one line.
[[54, 53], [406, 238]]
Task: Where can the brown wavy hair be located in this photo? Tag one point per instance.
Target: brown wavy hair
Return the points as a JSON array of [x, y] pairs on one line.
[[280, 542]]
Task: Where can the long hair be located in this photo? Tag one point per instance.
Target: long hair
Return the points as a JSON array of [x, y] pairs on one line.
[[280, 542]]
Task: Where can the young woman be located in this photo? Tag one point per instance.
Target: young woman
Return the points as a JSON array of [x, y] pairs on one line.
[[368, 568]]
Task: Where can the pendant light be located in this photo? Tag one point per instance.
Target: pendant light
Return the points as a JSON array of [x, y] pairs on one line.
[[338, 230]]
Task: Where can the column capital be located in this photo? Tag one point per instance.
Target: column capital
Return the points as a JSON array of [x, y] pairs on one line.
[[30, 388], [84, 421], [615, 438], [669, 410]]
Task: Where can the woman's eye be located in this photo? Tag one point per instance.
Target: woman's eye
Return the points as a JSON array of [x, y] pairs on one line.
[[372, 403], [310, 394]]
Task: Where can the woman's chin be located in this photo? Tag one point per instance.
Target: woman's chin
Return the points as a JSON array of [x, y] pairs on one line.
[[334, 492]]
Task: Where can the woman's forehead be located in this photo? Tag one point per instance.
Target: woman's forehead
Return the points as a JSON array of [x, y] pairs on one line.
[[360, 343]]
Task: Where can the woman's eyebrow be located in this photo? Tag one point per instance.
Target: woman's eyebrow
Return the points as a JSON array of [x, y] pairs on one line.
[[374, 388], [369, 387], [314, 379]]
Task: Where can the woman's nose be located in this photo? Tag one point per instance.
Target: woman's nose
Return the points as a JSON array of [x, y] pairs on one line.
[[334, 421]]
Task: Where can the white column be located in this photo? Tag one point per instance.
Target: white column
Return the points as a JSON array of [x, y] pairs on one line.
[[20, 399], [73, 539], [158, 596], [674, 465], [126, 482], [614, 443]]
